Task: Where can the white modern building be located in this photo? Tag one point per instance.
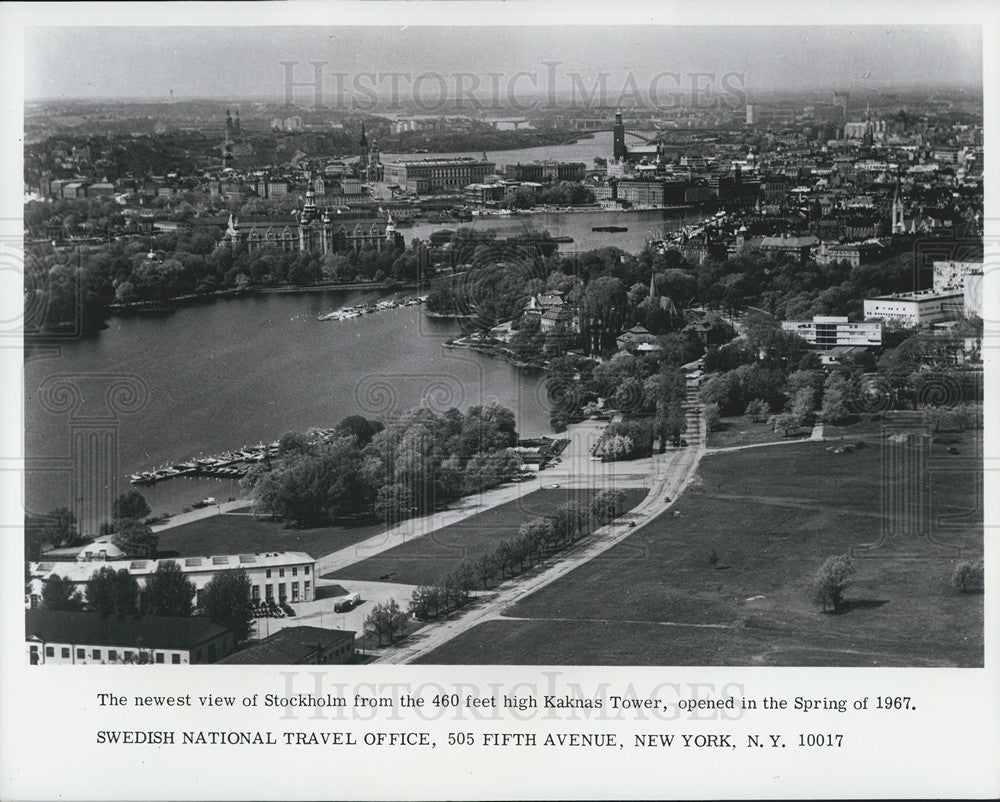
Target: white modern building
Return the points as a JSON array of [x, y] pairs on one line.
[[915, 308], [284, 576], [829, 331]]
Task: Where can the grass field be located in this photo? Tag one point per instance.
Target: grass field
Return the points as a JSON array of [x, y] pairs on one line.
[[426, 559], [771, 516], [743, 430], [243, 534]]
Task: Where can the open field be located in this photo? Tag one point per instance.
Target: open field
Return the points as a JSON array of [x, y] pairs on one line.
[[741, 430], [771, 516], [242, 534], [858, 425], [426, 559]]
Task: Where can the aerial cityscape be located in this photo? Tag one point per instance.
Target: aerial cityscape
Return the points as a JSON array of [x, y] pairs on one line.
[[364, 357]]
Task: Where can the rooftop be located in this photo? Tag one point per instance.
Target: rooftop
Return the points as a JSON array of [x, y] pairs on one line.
[[289, 646], [146, 631], [82, 571], [918, 295]]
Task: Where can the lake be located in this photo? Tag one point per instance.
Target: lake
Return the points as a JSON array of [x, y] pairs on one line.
[[152, 391]]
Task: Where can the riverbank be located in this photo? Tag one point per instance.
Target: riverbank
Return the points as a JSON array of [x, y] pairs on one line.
[[133, 310]]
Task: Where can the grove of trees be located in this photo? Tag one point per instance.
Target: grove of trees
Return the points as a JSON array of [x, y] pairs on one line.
[[412, 464]]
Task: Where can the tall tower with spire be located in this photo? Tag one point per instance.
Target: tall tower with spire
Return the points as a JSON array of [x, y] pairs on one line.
[[620, 151]]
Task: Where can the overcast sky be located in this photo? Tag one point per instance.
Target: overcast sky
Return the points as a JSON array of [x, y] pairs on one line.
[[246, 62]]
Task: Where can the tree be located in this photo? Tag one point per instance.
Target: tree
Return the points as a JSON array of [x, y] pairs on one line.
[[804, 406], [618, 447], [61, 594], [59, 527], [607, 505], [168, 591], [394, 502], [570, 520], [385, 620], [424, 602], [135, 537], [969, 577], [538, 531], [111, 592], [360, 428], [712, 417], [834, 409], [831, 581], [131, 505], [484, 570], [758, 410], [226, 600], [784, 423]]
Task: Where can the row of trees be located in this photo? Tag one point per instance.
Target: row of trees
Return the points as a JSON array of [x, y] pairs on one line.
[[411, 465], [225, 599], [535, 539]]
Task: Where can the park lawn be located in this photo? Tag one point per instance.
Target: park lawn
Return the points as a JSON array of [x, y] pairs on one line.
[[244, 534], [742, 430], [771, 516], [868, 424], [426, 559]]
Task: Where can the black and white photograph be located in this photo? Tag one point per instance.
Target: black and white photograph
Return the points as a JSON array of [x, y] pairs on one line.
[[446, 342]]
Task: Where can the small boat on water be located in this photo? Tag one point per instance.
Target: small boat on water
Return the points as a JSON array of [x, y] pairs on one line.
[[612, 229]]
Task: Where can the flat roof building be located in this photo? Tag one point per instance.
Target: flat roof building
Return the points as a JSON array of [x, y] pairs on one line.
[[56, 637], [423, 176], [915, 308], [828, 331], [296, 646], [284, 576]]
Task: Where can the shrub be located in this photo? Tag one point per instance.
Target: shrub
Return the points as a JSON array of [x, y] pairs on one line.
[[831, 581], [969, 577]]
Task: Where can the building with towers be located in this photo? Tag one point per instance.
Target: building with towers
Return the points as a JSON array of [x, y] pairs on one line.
[[315, 231]]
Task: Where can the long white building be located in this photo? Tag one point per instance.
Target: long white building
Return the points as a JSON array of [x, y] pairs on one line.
[[915, 308], [831, 331], [287, 576]]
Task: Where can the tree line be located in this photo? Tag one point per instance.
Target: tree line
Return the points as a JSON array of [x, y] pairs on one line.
[[226, 598]]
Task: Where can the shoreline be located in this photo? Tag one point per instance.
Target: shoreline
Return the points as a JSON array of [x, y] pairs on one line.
[[181, 301]]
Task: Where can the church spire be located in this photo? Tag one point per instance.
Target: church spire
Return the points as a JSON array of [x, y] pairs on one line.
[[364, 139]]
